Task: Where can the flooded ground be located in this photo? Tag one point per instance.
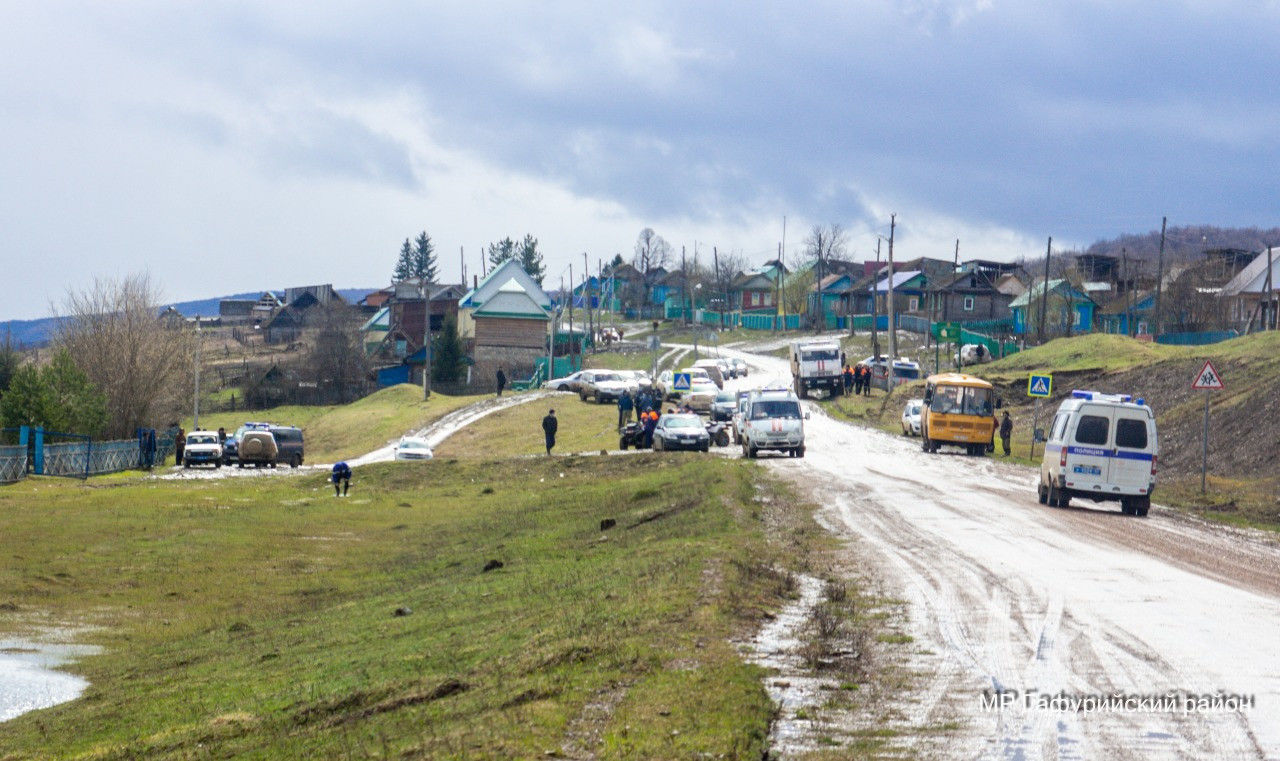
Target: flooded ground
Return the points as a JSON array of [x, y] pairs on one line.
[[29, 679]]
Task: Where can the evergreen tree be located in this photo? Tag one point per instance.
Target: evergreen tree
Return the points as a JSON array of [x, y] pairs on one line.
[[58, 397], [10, 360], [446, 352], [501, 251], [404, 265], [424, 258], [531, 258]]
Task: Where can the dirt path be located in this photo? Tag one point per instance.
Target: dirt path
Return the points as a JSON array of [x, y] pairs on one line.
[[1007, 594]]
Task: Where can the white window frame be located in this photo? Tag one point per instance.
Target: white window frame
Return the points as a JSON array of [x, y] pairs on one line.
[[913, 303], [968, 303]]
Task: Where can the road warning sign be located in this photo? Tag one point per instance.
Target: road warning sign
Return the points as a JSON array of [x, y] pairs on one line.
[[681, 382], [1040, 385], [1207, 379]]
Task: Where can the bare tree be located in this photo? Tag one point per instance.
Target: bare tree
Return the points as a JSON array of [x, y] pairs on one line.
[[823, 244], [145, 369], [336, 361], [651, 251]]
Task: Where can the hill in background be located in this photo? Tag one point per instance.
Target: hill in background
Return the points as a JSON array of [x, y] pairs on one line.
[[37, 332]]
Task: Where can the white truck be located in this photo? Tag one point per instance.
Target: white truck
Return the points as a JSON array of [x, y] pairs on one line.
[[816, 363]]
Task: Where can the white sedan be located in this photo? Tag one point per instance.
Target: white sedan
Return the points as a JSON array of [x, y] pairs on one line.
[[413, 448], [911, 417], [567, 383]]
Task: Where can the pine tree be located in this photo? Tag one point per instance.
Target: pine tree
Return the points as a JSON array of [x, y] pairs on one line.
[[446, 352], [424, 258], [531, 258], [501, 251], [404, 265]]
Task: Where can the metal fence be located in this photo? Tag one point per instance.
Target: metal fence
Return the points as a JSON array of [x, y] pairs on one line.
[[72, 455], [13, 463]]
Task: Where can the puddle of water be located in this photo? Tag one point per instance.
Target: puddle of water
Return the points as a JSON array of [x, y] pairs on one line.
[[28, 679]]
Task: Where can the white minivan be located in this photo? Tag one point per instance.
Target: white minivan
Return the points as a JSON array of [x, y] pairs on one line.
[[772, 419], [1102, 447]]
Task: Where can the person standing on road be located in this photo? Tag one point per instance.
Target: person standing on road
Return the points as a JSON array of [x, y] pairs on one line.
[[341, 475], [1006, 431], [848, 380], [650, 422], [625, 405], [549, 427], [179, 444], [502, 381]]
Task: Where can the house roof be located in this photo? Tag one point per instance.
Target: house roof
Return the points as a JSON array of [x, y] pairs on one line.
[[830, 281], [753, 281], [1121, 304], [489, 286], [380, 321], [1037, 288], [976, 280], [512, 300], [1253, 278], [882, 286]]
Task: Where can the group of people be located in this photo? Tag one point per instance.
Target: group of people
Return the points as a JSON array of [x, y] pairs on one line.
[[645, 400], [857, 380]]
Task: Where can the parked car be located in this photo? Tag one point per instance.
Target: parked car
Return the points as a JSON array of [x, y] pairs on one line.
[[603, 385], [726, 368], [681, 431], [723, 405], [413, 448], [773, 420], [231, 447], [700, 395], [739, 414], [289, 445], [911, 417], [711, 368], [662, 384], [202, 448], [567, 383], [257, 448], [739, 367]]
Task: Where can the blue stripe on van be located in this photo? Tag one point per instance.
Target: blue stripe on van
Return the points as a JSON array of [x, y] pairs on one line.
[[1096, 452]]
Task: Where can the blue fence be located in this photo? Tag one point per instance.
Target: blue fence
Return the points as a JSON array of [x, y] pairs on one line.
[[1196, 339], [71, 455]]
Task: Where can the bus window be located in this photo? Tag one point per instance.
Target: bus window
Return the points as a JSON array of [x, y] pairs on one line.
[[977, 401]]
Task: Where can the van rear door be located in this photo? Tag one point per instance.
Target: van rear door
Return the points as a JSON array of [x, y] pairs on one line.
[[1135, 441], [1088, 447]]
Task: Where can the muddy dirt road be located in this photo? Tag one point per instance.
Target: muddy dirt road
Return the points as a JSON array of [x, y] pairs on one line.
[[1006, 594]]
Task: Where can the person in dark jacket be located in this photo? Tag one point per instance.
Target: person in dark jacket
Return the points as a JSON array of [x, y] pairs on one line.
[[650, 420], [502, 381], [341, 475], [866, 381], [1006, 431], [848, 380], [625, 405], [179, 445], [549, 426]]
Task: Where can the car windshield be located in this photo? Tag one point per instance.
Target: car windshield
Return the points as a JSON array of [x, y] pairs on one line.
[[906, 372], [602, 377], [683, 421], [961, 400], [772, 409], [202, 439], [814, 355], [703, 386], [724, 397], [913, 408], [412, 444]]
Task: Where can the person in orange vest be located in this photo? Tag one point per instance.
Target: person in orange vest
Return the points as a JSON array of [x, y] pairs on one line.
[[848, 379]]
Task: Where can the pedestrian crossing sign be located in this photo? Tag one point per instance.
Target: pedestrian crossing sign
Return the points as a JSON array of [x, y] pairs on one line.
[[681, 382], [1040, 385]]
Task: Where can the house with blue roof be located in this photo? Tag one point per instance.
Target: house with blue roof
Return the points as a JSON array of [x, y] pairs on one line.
[[1067, 310]]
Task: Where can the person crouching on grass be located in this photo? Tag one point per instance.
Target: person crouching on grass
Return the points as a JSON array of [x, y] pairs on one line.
[[341, 475]]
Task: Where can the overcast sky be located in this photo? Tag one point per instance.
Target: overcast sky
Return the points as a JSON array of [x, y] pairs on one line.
[[230, 147]]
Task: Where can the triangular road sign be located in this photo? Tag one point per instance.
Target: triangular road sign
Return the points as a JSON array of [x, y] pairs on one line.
[[1208, 378]]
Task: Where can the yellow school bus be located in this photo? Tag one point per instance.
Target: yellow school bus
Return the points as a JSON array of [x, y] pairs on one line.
[[958, 410]]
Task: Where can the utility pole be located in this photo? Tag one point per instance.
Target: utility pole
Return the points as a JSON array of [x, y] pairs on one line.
[[875, 309], [893, 331], [195, 425], [1128, 294], [684, 287], [571, 341], [426, 338], [586, 289], [1044, 291], [1269, 322], [1159, 326], [956, 264], [724, 294], [462, 266], [777, 288]]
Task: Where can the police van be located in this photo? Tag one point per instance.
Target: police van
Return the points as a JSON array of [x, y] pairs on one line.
[[1101, 447]]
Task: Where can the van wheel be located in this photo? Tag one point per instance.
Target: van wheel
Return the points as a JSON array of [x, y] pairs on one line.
[[800, 452], [1064, 498], [1141, 505], [1042, 494]]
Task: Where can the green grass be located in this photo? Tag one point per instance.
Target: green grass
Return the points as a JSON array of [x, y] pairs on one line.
[[254, 619], [349, 430], [584, 427]]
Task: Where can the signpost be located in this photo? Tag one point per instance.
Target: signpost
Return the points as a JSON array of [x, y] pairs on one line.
[[945, 332], [1206, 380], [1039, 387]]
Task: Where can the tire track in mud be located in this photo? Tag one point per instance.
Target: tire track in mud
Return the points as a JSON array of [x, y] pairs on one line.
[[1000, 587]]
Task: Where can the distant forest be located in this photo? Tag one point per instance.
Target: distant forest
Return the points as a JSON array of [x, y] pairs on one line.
[[1185, 243]]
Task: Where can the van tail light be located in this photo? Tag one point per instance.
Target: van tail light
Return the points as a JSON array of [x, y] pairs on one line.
[[1062, 461], [1153, 464]]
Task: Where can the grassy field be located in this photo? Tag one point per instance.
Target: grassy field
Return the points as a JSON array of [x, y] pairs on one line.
[[261, 620], [584, 427], [339, 431]]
